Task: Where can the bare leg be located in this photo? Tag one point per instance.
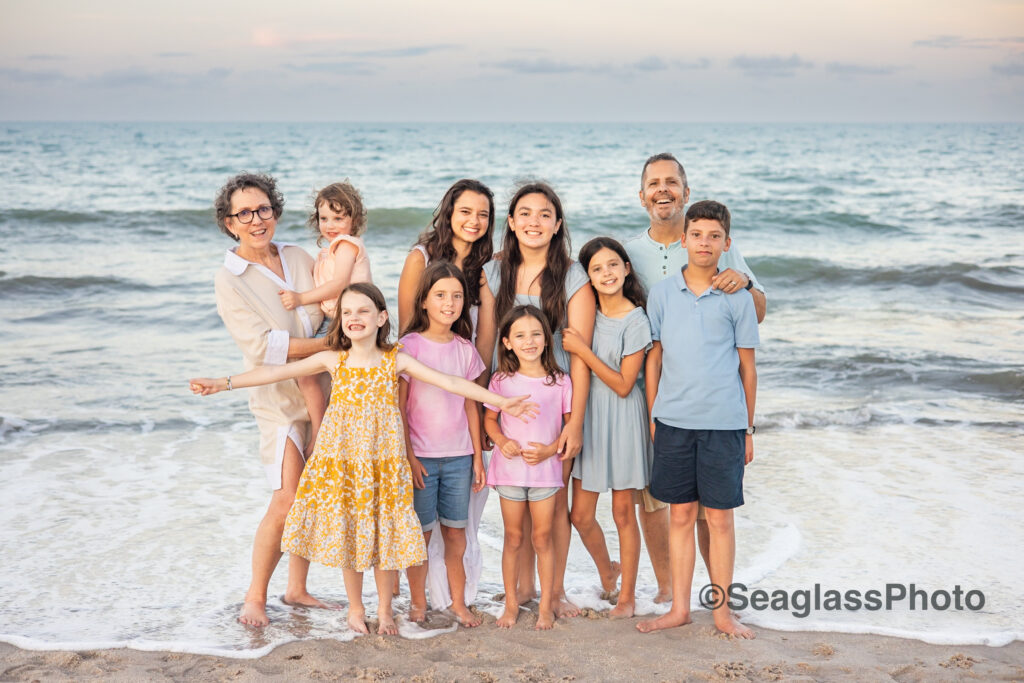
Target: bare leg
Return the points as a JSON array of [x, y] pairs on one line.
[[704, 541], [417, 576], [655, 529], [681, 556], [313, 395], [385, 580], [723, 557], [512, 513], [454, 549], [583, 516], [266, 547], [561, 535], [624, 514], [542, 512], [354, 590], [526, 587]]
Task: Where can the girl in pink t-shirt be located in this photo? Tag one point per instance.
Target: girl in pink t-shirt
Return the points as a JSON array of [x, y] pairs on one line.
[[442, 430], [528, 471], [338, 218]]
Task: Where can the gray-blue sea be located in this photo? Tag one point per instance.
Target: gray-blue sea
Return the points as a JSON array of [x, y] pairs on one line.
[[891, 371]]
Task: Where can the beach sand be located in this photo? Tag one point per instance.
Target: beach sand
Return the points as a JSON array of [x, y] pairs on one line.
[[588, 648]]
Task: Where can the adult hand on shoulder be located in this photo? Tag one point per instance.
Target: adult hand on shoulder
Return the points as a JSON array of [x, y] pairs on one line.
[[730, 281], [572, 341], [418, 472], [749, 455], [289, 299]]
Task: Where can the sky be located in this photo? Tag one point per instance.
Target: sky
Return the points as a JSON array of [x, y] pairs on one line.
[[568, 60]]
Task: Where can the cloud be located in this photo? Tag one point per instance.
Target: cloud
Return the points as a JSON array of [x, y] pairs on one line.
[[414, 51], [772, 66], [47, 58], [536, 66], [650, 64], [342, 68], [173, 55], [701, 63], [141, 78], [33, 77], [1009, 68], [851, 70], [948, 42]]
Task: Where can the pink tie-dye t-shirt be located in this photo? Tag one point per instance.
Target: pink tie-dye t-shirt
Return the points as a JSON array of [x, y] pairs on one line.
[[553, 401]]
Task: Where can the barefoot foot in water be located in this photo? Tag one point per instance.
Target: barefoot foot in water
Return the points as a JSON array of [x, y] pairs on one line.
[[565, 609], [254, 613], [357, 619], [509, 616], [545, 620], [622, 610], [465, 616], [386, 624], [306, 600], [610, 582]]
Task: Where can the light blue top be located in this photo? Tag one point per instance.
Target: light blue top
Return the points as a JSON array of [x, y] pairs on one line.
[[700, 384], [653, 261], [575, 279]]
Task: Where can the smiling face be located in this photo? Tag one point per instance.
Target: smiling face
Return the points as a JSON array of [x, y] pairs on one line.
[[444, 303], [359, 316], [525, 339], [254, 236], [534, 221], [333, 223], [705, 240], [471, 216], [664, 193], [607, 271]]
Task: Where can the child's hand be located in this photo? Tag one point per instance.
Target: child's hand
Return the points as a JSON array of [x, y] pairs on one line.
[[518, 406], [479, 477], [749, 454], [289, 299], [572, 341], [418, 472], [538, 452], [511, 449], [204, 386]]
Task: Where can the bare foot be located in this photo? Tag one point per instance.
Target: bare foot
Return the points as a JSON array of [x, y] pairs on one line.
[[357, 619], [417, 614], [730, 625], [610, 596], [307, 600], [610, 582], [564, 608], [622, 610], [386, 625], [670, 620], [663, 596], [466, 617], [254, 613], [509, 616], [524, 596], [545, 620]]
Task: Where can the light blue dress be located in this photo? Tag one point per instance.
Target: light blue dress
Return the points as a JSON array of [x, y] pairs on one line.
[[575, 278], [617, 452]]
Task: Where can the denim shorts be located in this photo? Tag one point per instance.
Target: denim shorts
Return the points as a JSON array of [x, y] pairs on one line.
[[324, 326], [522, 494], [703, 465], [446, 492]]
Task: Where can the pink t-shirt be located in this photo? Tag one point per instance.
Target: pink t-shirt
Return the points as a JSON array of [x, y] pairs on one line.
[[438, 426], [323, 269], [554, 400]]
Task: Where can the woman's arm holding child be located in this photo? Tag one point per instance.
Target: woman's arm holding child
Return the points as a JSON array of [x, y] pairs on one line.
[[620, 381], [344, 260], [265, 374], [516, 406]]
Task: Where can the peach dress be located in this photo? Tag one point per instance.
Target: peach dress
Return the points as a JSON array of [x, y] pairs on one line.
[[353, 507]]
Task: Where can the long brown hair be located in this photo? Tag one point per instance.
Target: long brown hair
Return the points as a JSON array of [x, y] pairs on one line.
[[337, 340], [631, 287], [420, 322], [508, 362], [552, 278], [437, 239]]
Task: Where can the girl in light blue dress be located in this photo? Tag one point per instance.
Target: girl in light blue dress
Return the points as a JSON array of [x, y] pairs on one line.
[[616, 434]]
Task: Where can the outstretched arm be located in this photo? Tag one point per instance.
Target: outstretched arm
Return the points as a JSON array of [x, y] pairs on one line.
[[516, 406], [620, 381], [265, 374]]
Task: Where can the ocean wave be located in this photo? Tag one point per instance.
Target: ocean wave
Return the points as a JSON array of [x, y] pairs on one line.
[[872, 416], [29, 285]]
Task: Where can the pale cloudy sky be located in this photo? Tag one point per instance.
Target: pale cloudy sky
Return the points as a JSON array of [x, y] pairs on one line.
[[438, 60]]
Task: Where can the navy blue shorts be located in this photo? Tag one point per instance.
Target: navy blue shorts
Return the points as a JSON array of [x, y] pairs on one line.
[[704, 465]]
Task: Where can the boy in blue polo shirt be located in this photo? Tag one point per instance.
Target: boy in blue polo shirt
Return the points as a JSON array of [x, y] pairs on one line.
[[701, 385]]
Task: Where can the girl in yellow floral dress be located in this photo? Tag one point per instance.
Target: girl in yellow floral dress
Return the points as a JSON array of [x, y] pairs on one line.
[[353, 507]]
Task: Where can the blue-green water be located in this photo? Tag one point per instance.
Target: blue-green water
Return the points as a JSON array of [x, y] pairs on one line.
[[891, 375]]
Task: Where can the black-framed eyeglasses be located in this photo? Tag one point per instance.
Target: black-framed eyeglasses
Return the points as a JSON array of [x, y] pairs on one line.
[[245, 215]]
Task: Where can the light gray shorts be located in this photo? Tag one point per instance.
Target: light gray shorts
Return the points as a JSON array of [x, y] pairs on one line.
[[522, 494]]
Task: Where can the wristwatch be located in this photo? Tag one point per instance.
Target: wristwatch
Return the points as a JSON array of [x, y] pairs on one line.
[[750, 430], [750, 285]]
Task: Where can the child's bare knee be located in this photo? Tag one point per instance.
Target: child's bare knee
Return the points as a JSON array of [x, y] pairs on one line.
[[513, 539], [541, 540], [581, 519], [454, 537], [623, 515]]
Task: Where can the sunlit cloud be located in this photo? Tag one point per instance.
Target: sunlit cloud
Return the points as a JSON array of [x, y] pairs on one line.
[[948, 42], [341, 68], [26, 76], [771, 66]]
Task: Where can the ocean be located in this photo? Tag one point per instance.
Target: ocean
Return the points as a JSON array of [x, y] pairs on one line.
[[891, 371]]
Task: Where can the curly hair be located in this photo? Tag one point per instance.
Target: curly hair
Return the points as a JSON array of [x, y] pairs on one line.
[[243, 181], [343, 198]]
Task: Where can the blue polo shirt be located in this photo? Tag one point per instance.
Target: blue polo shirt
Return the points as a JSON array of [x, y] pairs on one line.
[[700, 384]]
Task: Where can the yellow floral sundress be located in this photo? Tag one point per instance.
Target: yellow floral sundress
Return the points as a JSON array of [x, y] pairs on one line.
[[353, 507]]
